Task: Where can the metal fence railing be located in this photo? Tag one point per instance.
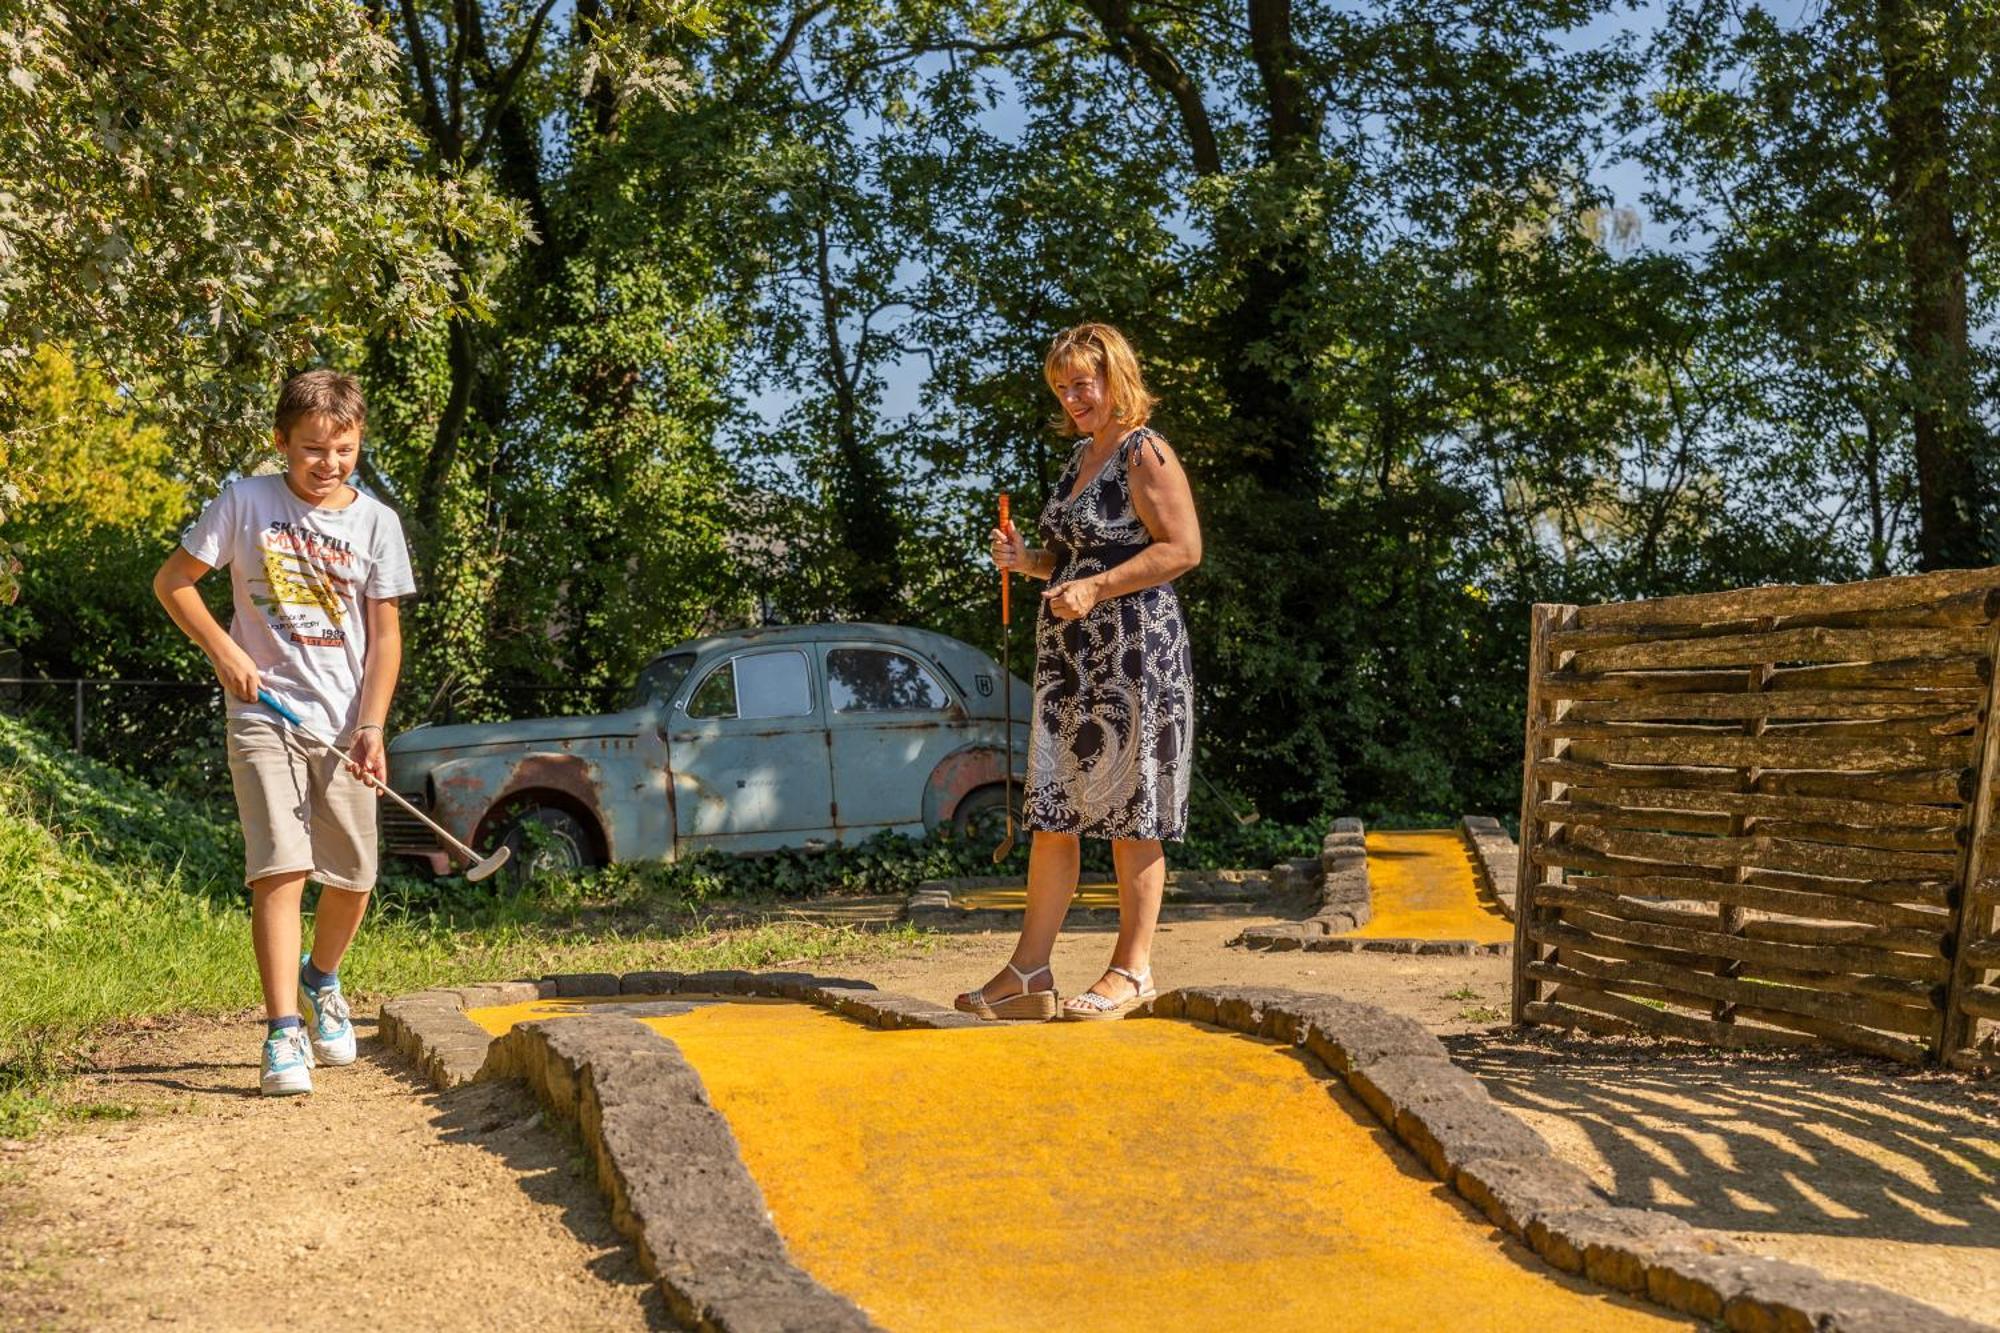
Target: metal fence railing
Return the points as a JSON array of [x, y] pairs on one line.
[[142, 725]]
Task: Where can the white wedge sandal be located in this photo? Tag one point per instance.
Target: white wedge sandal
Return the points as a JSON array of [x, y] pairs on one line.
[[1089, 1007], [1024, 1006]]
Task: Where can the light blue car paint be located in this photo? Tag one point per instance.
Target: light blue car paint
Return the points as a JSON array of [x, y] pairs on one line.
[[790, 736]]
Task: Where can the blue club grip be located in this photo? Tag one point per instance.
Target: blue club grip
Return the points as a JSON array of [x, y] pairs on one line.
[[270, 701]]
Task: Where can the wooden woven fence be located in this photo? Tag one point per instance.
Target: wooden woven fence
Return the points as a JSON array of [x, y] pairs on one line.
[[1761, 818]]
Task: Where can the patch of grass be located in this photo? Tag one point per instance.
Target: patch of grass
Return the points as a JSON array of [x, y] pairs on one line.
[[1462, 993], [1484, 1013]]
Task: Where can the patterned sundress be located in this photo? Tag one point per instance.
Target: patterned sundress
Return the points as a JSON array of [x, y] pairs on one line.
[[1111, 749]]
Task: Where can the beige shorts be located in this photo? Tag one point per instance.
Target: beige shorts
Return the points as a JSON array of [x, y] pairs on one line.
[[301, 809]]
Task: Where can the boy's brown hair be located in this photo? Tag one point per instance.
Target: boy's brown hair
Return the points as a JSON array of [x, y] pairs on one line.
[[321, 393]]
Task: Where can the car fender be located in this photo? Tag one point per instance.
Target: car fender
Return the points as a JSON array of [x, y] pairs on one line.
[[469, 793], [959, 774]]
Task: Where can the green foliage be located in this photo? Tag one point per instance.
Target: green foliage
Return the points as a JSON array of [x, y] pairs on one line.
[[557, 465], [105, 498], [1424, 370], [201, 196]]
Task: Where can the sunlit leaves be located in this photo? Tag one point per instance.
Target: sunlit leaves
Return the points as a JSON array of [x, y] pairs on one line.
[[199, 197]]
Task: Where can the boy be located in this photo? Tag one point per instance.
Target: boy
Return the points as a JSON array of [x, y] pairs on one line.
[[316, 568]]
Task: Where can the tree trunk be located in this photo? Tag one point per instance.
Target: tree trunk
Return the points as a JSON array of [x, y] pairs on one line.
[[1264, 362], [461, 356], [1917, 88], [860, 492]]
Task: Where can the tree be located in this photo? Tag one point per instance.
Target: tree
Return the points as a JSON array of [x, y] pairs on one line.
[[1821, 170], [562, 464], [199, 198], [106, 497]]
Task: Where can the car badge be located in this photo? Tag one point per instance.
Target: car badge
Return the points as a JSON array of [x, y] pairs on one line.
[[985, 685]]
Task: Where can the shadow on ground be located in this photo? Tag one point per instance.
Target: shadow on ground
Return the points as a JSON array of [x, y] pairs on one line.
[[1829, 1145], [548, 1164]]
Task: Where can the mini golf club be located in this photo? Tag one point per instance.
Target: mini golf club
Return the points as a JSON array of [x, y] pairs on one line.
[[1006, 846], [480, 867]]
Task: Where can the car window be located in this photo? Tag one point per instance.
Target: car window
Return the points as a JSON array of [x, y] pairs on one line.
[[717, 695], [869, 680], [774, 684], [660, 679]]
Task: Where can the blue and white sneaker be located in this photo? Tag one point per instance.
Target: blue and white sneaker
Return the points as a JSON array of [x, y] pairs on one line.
[[327, 1019], [288, 1062]]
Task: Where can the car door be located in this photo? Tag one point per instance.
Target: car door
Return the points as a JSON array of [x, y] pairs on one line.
[[748, 748], [890, 719]]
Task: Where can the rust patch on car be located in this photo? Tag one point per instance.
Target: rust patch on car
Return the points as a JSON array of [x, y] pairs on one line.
[[565, 774], [963, 772]]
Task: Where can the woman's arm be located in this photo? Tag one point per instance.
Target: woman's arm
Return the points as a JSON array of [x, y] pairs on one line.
[[1165, 505]]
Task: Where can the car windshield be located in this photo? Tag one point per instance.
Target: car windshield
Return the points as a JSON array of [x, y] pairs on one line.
[[661, 678]]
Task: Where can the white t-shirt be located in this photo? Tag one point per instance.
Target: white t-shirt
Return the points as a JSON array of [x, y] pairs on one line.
[[299, 574]]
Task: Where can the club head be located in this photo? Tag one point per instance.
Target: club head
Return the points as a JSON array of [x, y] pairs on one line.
[[1006, 847], [482, 869], [1245, 821]]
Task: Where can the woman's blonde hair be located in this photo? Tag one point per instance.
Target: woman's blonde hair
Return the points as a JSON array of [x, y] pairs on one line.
[[1101, 349]]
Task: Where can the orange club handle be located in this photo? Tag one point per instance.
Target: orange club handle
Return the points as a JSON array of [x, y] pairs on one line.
[[1006, 612]]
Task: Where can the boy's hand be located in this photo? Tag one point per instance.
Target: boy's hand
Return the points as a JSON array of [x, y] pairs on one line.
[[370, 755], [237, 672]]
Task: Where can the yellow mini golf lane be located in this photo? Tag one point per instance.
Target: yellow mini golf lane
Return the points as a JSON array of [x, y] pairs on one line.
[[1119, 1175], [1422, 887], [1420, 881], [1014, 897]]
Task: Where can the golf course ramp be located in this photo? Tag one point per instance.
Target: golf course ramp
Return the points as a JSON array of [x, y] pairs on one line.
[[797, 1152]]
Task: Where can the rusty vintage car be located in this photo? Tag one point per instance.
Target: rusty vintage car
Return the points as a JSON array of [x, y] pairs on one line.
[[793, 736]]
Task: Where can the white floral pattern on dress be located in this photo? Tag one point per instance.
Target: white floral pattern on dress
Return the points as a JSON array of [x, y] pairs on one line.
[[1111, 749]]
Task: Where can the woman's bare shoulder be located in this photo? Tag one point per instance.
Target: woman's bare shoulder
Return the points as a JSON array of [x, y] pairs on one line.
[[1145, 442]]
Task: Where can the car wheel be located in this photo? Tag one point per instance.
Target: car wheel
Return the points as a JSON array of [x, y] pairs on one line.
[[546, 840], [982, 816]]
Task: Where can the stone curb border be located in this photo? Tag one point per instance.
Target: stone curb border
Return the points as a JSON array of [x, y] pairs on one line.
[[1495, 859], [430, 1027], [1345, 900], [665, 1157], [1347, 904], [668, 1160], [932, 903]]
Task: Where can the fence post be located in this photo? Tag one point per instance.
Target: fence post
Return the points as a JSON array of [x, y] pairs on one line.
[[1730, 918], [1546, 616], [1971, 918], [76, 730]]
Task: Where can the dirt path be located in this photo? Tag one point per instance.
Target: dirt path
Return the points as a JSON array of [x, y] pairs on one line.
[[1448, 994], [372, 1203], [1853, 1166]]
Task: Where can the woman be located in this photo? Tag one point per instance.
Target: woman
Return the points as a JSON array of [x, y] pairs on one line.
[[1111, 748]]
